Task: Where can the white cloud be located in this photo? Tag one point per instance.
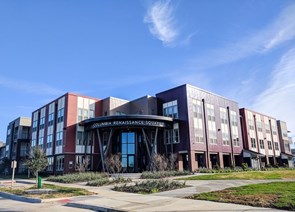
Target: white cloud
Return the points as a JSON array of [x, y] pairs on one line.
[[28, 87], [281, 30], [278, 99], [160, 19]]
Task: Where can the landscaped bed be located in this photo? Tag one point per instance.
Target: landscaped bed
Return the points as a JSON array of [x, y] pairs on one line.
[[163, 174], [77, 177], [59, 192], [150, 186], [108, 181], [279, 195], [251, 175]]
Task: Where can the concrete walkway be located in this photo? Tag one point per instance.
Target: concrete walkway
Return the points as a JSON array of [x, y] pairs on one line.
[[108, 200]]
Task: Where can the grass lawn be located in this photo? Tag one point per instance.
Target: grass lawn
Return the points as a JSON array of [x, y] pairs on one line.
[[61, 192], [250, 175], [279, 195]]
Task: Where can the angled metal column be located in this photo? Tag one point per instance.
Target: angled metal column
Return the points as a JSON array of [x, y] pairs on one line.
[[154, 148], [101, 150], [108, 144], [145, 141]]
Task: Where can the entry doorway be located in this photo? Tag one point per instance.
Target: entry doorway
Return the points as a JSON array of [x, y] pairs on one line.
[[201, 160], [128, 151], [185, 161], [214, 161]]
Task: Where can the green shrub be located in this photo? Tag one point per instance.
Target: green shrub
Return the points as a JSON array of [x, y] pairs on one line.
[[77, 177], [107, 181], [150, 186], [163, 174], [245, 166]]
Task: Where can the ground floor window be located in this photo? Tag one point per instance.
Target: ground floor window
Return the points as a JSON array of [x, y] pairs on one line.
[[59, 163], [50, 161]]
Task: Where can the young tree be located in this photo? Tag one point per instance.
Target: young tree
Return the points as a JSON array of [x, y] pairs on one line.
[[37, 162], [114, 164], [83, 165]]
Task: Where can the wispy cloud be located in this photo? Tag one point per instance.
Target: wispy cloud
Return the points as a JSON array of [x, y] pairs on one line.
[[281, 30], [28, 87], [161, 21], [278, 98]]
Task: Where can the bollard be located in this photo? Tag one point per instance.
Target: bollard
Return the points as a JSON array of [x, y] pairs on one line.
[[39, 182]]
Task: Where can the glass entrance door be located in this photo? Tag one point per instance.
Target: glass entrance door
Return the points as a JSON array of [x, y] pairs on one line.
[[128, 151]]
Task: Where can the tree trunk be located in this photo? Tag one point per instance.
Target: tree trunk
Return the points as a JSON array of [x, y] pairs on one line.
[[36, 179]]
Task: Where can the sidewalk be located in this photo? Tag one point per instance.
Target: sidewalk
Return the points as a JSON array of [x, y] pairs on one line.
[[108, 200]]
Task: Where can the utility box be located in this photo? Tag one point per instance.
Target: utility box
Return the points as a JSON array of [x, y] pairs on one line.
[[39, 182]]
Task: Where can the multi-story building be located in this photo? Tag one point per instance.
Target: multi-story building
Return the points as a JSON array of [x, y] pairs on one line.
[[208, 127], [18, 141], [55, 129], [285, 144], [262, 139], [201, 128], [2, 150]]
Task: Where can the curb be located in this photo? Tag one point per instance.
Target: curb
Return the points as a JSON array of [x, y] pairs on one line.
[[92, 207], [19, 198]]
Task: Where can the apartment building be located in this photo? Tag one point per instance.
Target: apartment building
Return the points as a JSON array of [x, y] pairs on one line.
[[262, 139], [207, 127], [285, 144], [201, 128], [18, 141], [55, 129]]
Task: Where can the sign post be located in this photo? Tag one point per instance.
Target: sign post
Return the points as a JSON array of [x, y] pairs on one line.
[[13, 166]]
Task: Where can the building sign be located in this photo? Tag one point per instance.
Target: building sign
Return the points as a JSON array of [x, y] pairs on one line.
[[125, 123]]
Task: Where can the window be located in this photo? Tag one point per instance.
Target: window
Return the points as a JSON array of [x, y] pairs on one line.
[[170, 109], [50, 163], [42, 123], [253, 143], [79, 140], [269, 145], [40, 143], [197, 109], [198, 121], [49, 141], [35, 124], [225, 134], [276, 146], [85, 114], [59, 138], [223, 115], [80, 114], [59, 163], [233, 118], [287, 147], [168, 136], [8, 131], [50, 119], [120, 113], [211, 124], [175, 133], [33, 142], [60, 115], [261, 142], [210, 112]]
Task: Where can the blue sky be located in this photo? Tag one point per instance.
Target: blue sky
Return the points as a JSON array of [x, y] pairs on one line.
[[243, 50]]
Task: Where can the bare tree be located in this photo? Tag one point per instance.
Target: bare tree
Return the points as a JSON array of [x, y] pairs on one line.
[[158, 163], [114, 164], [83, 165], [172, 161]]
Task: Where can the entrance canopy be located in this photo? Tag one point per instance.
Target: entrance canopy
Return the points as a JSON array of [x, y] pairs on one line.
[[127, 121]]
